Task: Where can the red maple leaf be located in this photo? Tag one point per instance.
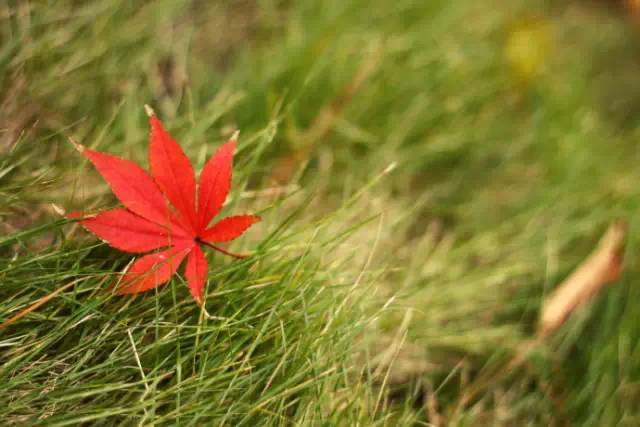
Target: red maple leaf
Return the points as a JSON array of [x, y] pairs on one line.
[[160, 211]]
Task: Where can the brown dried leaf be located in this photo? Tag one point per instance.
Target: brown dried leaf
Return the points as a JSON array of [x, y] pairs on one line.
[[634, 7], [603, 266]]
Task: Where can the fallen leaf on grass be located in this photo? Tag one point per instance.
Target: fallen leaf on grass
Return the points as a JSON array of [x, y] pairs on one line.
[[603, 266], [165, 211]]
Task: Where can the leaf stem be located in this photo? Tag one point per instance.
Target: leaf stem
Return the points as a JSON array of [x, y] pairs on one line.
[[224, 251]]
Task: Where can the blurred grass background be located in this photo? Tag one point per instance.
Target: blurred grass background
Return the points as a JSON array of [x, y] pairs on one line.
[[427, 172]]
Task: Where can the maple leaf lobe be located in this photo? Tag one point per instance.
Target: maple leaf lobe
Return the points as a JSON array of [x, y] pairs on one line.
[[173, 172], [215, 182]]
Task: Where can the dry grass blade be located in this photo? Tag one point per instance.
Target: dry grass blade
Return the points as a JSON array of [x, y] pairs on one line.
[[603, 266], [34, 306], [326, 119]]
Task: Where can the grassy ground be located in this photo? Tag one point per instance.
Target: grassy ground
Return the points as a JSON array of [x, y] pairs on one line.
[[427, 172]]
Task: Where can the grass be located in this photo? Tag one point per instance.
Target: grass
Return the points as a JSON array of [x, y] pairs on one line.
[[425, 177]]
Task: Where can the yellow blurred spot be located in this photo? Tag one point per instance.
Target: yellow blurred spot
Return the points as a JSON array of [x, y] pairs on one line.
[[527, 48]]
